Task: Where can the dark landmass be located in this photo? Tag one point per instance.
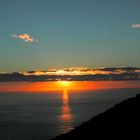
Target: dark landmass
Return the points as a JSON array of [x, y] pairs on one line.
[[120, 122]]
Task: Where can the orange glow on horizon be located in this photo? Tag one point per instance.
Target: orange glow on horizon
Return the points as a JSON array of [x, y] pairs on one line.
[[65, 85]]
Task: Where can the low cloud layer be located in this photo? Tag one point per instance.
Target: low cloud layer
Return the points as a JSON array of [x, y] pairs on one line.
[[25, 37], [73, 74]]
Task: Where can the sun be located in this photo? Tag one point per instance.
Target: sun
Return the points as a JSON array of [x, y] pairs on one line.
[[64, 83]]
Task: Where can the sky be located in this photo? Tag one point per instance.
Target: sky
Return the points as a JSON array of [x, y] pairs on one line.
[[42, 34]]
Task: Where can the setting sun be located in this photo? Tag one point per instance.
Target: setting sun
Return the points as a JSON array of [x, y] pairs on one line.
[[64, 83]]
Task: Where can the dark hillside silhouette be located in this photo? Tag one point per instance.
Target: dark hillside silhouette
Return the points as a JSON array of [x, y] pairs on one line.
[[120, 122]]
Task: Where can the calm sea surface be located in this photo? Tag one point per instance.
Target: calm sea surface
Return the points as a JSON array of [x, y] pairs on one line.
[[26, 115]]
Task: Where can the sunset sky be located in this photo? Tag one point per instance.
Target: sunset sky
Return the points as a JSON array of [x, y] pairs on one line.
[[42, 34]]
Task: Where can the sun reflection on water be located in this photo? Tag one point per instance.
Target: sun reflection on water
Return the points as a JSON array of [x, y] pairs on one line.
[[66, 115]]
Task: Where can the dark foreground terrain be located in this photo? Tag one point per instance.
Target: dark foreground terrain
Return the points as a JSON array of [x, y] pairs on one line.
[[120, 122]]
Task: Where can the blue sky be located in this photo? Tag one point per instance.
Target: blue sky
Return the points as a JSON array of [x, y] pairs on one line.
[[65, 33]]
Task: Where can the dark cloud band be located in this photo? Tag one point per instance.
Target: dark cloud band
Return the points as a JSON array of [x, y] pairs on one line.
[[74, 74]]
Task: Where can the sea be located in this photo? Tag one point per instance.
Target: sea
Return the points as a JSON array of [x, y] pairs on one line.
[[45, 114]]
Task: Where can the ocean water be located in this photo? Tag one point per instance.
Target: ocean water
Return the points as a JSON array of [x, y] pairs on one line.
[[44, 115]]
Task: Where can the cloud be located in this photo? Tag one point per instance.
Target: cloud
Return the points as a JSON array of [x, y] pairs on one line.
[[136, 25], [25, 37], [106, 32], [74, 74]]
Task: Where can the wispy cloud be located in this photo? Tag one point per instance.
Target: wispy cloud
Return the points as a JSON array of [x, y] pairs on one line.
[[25, 37], [106, 32], [136, 25]]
